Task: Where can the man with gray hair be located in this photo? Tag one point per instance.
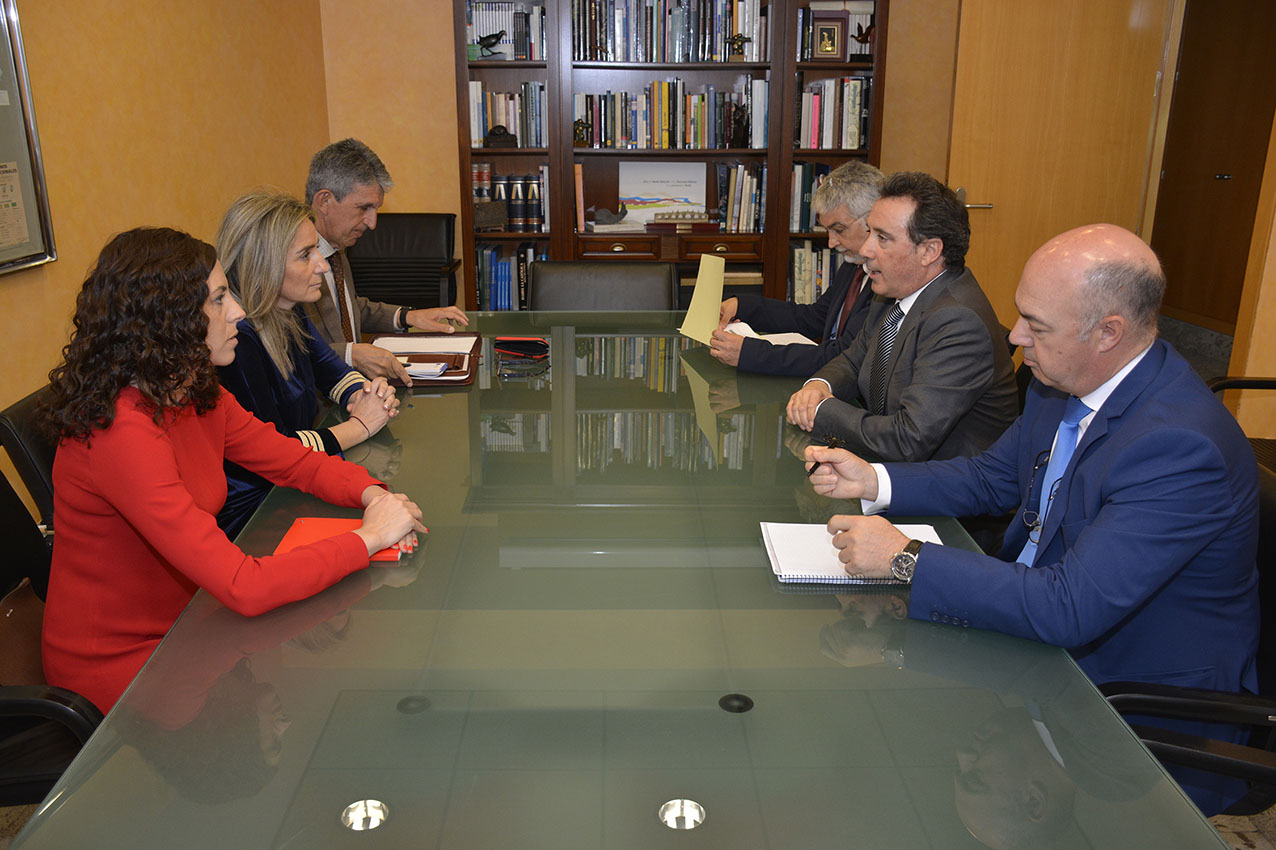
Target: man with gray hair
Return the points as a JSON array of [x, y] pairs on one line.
[[841, 204], [345, 188]]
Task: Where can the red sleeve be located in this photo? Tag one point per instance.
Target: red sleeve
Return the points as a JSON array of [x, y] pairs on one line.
[[136, 470], [259, 447]]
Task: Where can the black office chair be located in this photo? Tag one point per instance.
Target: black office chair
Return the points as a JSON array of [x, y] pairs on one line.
[[1256, 762], [602, 286], [1264, 447], [41, 727], [31, 452], [407, 260]]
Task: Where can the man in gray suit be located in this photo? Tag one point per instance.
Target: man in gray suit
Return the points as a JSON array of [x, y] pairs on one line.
[[345, 188], [930, 375]]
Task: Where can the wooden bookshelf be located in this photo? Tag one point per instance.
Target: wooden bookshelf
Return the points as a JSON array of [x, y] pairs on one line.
[[767, 252]]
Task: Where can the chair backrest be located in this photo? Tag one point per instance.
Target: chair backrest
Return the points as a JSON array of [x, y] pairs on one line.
[[602, 286], [406, 259], [31, 452], [1267, 580], [25, 553]]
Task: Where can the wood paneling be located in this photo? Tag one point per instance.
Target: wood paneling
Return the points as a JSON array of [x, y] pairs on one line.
[[1214, 153], [1052, 123]]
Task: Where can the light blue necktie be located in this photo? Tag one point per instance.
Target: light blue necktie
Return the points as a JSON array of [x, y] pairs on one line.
[[1065, 445]]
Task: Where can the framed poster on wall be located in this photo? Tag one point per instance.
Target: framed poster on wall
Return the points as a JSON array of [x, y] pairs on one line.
[[26, 228]]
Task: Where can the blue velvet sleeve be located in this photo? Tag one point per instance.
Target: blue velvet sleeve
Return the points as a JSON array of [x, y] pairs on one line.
[[333, 376]]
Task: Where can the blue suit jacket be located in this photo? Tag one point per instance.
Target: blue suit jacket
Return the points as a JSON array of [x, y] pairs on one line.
[[1147, 558], [817, 321]]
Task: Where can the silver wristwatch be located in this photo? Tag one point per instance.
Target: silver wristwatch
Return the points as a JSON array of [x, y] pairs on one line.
[[904, 563]]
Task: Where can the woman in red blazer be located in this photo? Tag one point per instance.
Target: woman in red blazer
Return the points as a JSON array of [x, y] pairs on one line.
[[143, 428]]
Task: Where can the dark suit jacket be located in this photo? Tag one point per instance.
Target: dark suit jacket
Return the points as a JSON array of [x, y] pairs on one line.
[[950, 384], [817, 321], [368, 316], [1147, 558]]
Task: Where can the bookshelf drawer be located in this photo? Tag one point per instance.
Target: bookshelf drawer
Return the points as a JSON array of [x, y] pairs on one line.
[[729, 247], [628, 246]]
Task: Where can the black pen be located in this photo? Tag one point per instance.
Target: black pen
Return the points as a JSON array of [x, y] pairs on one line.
[[831, 442]]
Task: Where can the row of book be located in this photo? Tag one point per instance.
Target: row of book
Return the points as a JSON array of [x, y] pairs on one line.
[[665, 115], [833, 114], [523, 113], [501, 274], [856, 16], [670, 440], [811, 271], [741, 197], [651, 359], [668, 30], [524, 433], [522, 28], [523, 195], [807, 177]]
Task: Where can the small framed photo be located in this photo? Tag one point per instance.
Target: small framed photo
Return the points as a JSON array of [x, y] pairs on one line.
[[828, 42]]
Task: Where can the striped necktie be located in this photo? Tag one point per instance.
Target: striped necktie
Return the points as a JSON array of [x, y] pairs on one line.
[[885, 341]]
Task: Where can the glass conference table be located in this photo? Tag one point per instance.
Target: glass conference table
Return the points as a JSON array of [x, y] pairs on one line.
[[590, 650]]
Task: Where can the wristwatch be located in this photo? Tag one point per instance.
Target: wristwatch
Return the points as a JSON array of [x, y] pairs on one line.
[[403, 319], [904, 563]]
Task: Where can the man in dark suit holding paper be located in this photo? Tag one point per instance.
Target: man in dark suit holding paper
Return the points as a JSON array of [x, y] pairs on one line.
[[841, 202], [930, 375]]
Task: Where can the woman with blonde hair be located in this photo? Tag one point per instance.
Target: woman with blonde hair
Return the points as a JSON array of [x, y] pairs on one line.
[[268, 245]]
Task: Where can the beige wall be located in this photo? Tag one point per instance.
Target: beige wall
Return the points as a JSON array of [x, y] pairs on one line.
[[391, 82], [153, 113], [921, 59]]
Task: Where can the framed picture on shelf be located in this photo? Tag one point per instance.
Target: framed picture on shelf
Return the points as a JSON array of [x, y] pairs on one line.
[[829, 34]]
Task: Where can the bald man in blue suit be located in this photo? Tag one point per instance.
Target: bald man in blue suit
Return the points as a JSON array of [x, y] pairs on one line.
[[1144, 565], [1140, 557]]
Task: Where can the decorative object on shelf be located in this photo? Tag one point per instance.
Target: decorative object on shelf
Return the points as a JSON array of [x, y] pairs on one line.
[[487, 42], [499, 137], [682, 222], [580, 133], [609, 217], [606, 221], [829, 43], [491, 215], [739, 129], [865, 37], [737, 43]]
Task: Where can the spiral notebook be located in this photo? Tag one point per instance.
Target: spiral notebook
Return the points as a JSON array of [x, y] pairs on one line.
[[803, 552]]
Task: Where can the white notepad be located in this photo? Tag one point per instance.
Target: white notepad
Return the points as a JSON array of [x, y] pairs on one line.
[[803, 552]]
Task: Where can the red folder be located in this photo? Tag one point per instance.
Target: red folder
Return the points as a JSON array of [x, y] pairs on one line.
[[311, 529]]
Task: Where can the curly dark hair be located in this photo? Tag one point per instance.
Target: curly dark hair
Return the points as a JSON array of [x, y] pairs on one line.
[[139, 320]]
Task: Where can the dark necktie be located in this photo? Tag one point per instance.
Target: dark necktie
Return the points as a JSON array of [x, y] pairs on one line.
[[857, 283], [885, 341], [1065, 445], [339, 280]]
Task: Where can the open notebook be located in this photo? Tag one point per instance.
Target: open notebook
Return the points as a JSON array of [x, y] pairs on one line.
[[434, 359], [803, 552]]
